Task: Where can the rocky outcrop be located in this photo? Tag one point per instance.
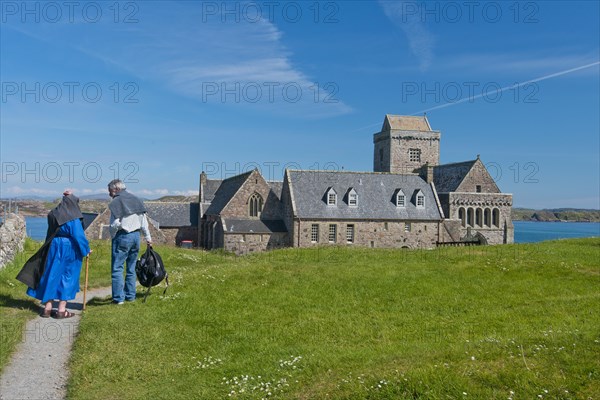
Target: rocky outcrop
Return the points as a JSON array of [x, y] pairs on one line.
[[12, 237]]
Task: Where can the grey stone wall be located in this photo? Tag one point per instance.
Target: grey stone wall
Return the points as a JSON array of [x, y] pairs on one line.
[[396, 145], [176, 235], [12, 237], [242, 244], [478, 176], [386, 234], [238, 205], [487, 213]]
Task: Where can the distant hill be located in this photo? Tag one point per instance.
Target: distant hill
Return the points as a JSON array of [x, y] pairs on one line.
[[95, 203], [178, 199], [556, 215]]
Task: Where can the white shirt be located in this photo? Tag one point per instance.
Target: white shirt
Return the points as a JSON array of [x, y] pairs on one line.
[[130, 223]]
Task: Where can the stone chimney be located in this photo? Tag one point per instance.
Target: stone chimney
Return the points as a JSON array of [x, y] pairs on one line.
[[427, 173], [203, 180]]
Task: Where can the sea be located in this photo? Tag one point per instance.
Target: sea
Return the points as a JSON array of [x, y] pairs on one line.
[[525, 231]]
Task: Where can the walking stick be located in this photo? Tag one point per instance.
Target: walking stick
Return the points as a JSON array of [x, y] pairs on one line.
[[87, 258]]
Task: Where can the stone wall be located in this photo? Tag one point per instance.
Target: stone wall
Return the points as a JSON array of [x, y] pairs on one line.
[[478, 176], [12, 237], [176, 235], [237, 207], [391, 150], [386, 234], [246, 243], [487, 213]]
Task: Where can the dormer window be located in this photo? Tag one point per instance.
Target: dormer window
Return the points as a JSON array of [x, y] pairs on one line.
[[255, 205], [352, 198], [419, 199], [400, 199], [331, 197]]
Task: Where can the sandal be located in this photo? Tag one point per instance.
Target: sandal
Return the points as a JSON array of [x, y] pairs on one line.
[[64, 314], [47, 314]]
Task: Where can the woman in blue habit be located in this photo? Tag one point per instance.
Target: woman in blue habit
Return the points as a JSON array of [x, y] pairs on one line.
[[55, 274]]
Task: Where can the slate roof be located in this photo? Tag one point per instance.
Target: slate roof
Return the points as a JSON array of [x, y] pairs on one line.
[[210, 188], [276, 187], [225, 192], [88, 218], [406, 123], [376, 195], [172, 214], [447, 177], [253, 226]]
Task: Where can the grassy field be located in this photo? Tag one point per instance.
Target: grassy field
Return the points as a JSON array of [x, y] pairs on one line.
[[498, 322]]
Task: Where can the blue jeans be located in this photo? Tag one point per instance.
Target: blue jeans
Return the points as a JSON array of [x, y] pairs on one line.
[[125, 249]]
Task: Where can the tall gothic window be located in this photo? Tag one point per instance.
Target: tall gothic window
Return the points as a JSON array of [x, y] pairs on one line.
[[255, 205]]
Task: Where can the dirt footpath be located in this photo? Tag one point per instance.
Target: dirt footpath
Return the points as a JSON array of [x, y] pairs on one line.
[[38, 368]]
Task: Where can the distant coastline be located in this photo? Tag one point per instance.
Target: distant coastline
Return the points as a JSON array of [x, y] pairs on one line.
[[39, 208], [556, 215]]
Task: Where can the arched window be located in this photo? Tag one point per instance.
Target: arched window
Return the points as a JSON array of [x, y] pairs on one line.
[[469, 216], [478, 217], [255, 205], [461, 216], [487, 217], [496, 217]]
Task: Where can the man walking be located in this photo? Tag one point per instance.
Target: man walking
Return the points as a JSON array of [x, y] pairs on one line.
[[127, 219]]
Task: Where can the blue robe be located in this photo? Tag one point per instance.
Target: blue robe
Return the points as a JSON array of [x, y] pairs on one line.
[[60, 280]]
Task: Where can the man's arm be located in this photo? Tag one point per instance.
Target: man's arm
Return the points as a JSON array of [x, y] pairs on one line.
[[115, 225], [144, 228]]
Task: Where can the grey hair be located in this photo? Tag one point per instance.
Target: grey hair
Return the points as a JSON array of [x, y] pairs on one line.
[[116, 184]]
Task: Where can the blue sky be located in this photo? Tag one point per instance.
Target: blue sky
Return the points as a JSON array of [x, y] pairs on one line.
[[155, 92]]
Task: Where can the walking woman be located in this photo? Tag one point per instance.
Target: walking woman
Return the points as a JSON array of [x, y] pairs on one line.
[[53, 272]]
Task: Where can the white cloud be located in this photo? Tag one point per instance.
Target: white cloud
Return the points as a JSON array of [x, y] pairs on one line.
[[174, 45], [420, 40]]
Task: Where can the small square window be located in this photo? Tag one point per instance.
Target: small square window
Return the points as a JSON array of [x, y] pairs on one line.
[[414, 155], [478, 188], [407, 227]]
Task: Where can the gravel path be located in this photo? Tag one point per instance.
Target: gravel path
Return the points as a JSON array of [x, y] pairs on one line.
[[38, 368]]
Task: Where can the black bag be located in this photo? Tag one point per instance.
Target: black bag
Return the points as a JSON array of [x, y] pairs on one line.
[[150, 270]]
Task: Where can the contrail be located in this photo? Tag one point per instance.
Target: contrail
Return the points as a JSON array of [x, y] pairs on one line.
[[516, 85]]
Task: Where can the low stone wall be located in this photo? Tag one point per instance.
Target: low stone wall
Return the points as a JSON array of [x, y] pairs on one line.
[[12, 238]]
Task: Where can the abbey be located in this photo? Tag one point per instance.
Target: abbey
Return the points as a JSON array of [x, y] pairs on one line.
[[409, 201]]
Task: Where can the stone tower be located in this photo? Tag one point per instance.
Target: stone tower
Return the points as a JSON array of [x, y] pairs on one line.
[[405, 144]]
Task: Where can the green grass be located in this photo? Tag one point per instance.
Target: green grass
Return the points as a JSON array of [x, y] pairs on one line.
[[342, 323]]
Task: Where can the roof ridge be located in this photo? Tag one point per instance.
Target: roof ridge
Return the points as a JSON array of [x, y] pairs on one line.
[[456, 163]]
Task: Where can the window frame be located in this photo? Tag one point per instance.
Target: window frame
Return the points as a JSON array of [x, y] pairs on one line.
[[331, 197], [332, 231], [400, 195], [255, 205], [414, 155], [350, 233], [314, 233], [352, 195]]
